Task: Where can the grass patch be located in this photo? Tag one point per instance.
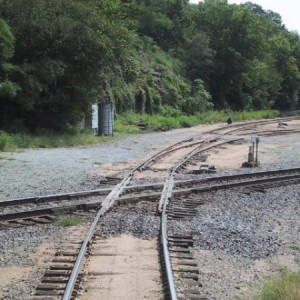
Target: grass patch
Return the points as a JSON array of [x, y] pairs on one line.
[[53, 140], [128, 123], [295, 247], [285, 287], [97, 163], [123, 127], [7, 158], [221, 116], [69, 220], [133, 123], [47, 139]]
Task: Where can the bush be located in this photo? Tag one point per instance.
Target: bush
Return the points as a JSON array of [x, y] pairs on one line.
[[47, 139], [200, 101], [22, 141], [170, 111], [6, 141], [188, 121]]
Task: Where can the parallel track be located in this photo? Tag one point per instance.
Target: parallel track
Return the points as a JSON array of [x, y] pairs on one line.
[[137, 193]]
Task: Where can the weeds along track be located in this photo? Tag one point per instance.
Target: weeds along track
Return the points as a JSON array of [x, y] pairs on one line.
[[174, 199]]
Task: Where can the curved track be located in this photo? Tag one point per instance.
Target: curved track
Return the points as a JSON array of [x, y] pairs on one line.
[[228, 130]]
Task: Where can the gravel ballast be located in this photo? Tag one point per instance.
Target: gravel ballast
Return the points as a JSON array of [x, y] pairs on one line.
[[240, 238]]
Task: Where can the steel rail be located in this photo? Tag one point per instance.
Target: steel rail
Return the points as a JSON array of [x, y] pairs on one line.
[[53, 197], [167, 260], [169, 150], [257, 131], [237, 184], [164, 201], [148, 197], [106, 204], [146, 163], [236, 176], [200, 150], [162, 207], [68, 196], [271, 132], [70, 208]]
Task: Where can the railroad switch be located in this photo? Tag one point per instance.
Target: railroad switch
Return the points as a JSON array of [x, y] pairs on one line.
[[252, 154], [208, 169], [204, 169]]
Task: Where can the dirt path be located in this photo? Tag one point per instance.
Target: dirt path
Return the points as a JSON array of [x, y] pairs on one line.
[[125, 268]]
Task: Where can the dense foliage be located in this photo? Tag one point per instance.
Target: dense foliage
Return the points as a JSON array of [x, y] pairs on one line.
[[59, 56]]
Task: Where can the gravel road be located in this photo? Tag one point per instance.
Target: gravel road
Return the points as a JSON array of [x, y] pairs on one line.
[[45, 171]]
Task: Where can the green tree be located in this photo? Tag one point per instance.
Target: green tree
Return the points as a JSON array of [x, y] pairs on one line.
[[8, 89], [63, 50], [286, 49], [7, 41], [199, 101], [165, 21], [228, 29], [198, 57], [255, 63], [283, 58]]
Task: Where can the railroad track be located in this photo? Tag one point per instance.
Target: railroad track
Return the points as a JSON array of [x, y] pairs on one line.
[[175, 200], [183, 264], [146, 192], [52, 204], [47, 215], [67, 290], [246, 127], [113, 198]]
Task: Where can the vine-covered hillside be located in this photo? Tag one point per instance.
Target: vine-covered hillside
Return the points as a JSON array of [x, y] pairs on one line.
[[57, 57]]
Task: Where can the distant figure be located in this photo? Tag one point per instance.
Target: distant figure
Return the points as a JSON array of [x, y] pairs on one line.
[[281, 124], [251, 155], [229, 121]]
